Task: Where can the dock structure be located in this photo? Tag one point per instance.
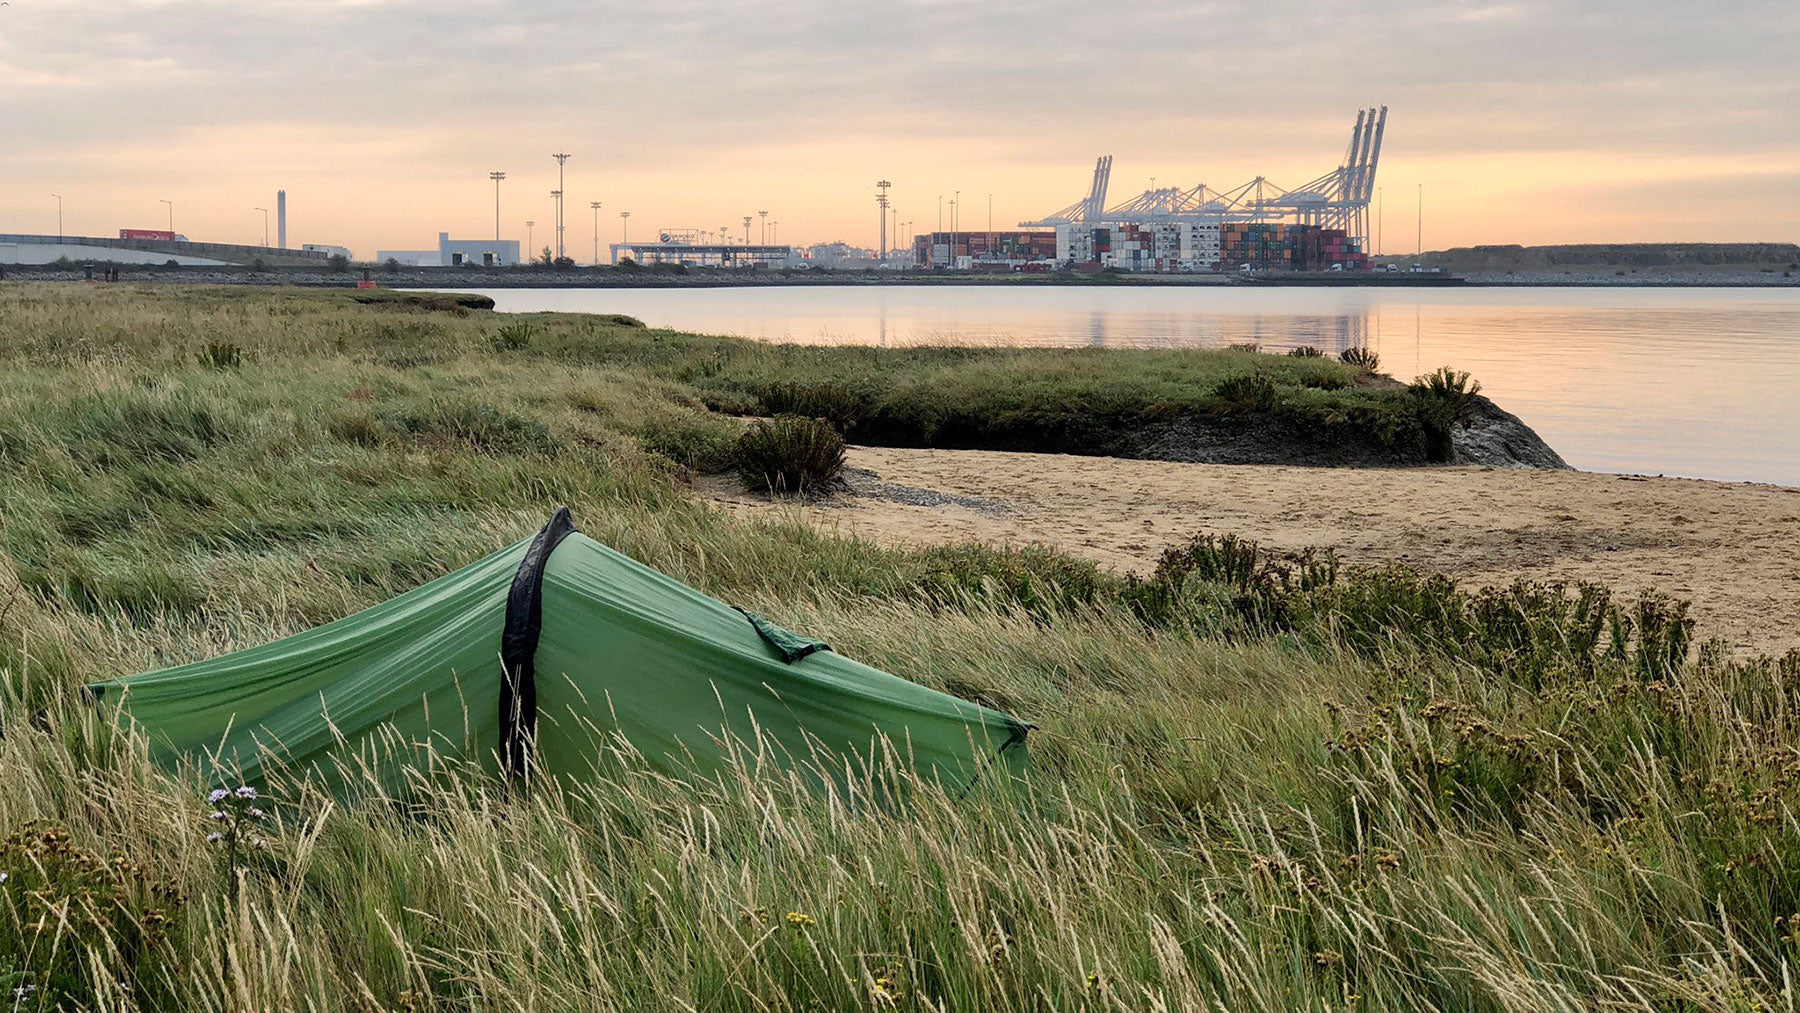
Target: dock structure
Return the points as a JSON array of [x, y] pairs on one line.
[[730, 255], [1338, 200]]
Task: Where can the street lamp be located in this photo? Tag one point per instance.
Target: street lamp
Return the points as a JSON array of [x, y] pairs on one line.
[[596, 206], [496, 176], [560, 159], [950, 255], [746, 230], [59, 228], [530, 254], [171, 205], [765, 227], [624, 227], [556, 195], [265, 212]]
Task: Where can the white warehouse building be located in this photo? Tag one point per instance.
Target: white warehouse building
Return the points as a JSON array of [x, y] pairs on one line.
[[457, 253]]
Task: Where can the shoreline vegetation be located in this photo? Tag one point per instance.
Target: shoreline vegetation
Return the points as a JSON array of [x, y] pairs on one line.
[[1621, 265], [1262, 781]]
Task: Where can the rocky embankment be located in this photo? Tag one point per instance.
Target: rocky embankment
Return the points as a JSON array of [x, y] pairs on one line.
[[1500, 439], [1495, 437]]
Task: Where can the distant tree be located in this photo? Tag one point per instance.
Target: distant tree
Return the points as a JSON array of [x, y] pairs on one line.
[[259, 264], [547, 258], [393, 265], [339, 263]]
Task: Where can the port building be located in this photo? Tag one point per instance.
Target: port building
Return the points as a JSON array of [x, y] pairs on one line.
[[457, 253]]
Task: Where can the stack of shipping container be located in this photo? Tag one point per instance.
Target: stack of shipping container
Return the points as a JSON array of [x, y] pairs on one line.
[[1256, 245], [1317, 249], [1012, 249], [1160, 247], [1269, 247]]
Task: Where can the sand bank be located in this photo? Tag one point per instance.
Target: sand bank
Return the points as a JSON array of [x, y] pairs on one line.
[[1732, 549]]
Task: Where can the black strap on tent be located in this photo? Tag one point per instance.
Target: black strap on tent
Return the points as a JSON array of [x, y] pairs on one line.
[[518, 646]]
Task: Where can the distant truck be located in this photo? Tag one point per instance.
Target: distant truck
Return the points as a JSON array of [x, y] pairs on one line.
[[161, 235]]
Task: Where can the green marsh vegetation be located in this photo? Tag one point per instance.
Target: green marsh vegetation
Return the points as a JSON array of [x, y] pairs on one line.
[[1261, 782]]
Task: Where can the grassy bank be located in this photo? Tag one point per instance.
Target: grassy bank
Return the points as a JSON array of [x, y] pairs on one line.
[[1260, 784], [1066, 400]]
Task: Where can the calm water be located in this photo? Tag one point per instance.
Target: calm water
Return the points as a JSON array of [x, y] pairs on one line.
[[1697, 382]]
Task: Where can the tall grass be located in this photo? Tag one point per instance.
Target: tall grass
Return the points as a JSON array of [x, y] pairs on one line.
[[1261, 783]]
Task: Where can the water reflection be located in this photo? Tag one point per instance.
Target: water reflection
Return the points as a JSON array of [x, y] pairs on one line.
[[1692, 382]]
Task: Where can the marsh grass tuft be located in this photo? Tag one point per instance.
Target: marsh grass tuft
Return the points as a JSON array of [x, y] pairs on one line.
[[790, 454], [1361, 357]]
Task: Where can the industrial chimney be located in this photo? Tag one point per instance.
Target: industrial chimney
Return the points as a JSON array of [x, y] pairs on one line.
[[281, 219]]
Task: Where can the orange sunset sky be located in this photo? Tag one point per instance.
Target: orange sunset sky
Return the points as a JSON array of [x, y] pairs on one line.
[[1526, 122]]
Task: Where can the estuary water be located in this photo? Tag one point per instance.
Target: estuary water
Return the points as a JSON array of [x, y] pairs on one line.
[[1697, 382]]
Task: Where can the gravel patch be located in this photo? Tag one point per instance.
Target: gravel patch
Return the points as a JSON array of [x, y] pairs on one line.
[[867, 484]]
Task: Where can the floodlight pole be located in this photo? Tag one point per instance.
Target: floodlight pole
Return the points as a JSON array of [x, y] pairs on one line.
[[556, 225], [596, 206], [561, 157], [265, 212], [496, 177], [171, 205], [59, 225]]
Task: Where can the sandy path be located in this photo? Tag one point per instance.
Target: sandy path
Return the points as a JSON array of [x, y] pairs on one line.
[[1733, 549]]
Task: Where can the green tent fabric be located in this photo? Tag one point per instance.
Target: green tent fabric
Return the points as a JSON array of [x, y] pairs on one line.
[[535, 656]]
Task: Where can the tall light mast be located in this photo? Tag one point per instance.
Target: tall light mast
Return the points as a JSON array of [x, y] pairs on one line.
[[496, 177], [596, 206], [881, 201], [560, 157]]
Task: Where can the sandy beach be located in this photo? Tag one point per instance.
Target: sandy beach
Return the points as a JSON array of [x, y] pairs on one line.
[[1732, 549]]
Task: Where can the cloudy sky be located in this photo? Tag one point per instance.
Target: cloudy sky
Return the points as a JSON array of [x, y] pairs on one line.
[[1526, 122]]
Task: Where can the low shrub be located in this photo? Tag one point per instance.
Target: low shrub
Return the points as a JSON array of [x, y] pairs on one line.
[[1305, 352], [1249, 393], [790, 454], [824, 399], [1326, 381], [512, 337], [1360, 356], [1531, 633], [1446, 401]]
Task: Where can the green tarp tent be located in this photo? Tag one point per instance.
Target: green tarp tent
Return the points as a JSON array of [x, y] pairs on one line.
[[534, 657]]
